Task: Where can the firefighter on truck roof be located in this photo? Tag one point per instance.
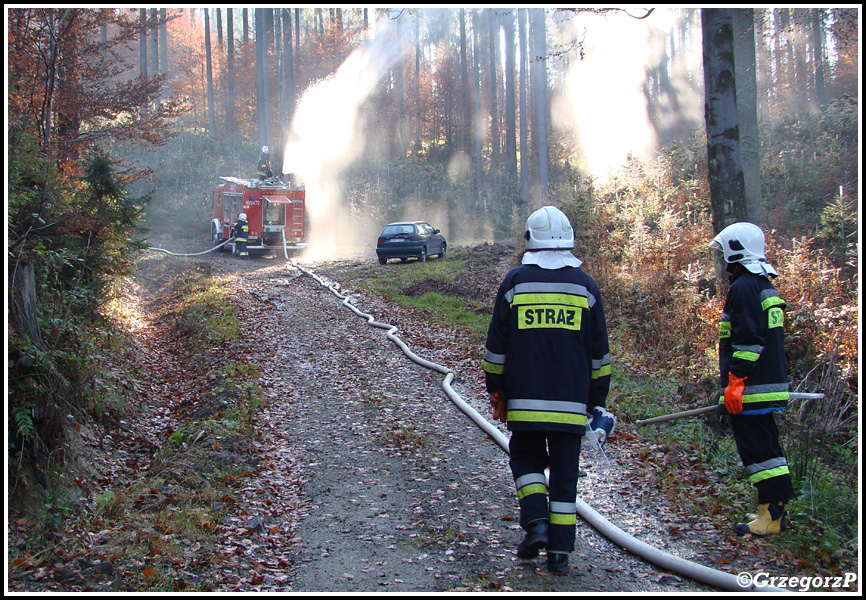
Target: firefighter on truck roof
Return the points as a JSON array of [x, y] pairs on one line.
[[264, 169], [547, 365], [754, 372]]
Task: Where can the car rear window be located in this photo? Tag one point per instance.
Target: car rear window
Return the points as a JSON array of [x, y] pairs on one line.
[[398, 230]]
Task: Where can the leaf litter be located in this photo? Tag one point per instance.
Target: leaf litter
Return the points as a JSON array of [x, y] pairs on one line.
[[357, 475]]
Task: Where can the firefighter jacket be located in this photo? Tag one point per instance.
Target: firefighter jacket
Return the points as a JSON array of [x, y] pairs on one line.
[[264, 170], [547, 348], [752, 343], [241, 231]]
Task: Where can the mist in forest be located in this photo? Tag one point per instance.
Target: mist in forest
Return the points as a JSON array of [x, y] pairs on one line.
[[605, 101], [327, 136], [602, 104]]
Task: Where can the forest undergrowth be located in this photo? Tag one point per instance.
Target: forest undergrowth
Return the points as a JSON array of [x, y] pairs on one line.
[[642, 235]]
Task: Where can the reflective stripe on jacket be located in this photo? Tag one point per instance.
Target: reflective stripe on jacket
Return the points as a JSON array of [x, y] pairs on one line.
[[241, 231], [547, 348], [752, 343]]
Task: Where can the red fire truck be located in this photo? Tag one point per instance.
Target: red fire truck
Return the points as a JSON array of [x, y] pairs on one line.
[[275, 213]]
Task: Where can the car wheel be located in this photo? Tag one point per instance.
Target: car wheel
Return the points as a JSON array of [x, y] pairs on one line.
[[442, 254], [382, 260], [423, 257]]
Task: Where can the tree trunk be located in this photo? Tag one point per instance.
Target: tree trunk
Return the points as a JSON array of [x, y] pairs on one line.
[[23, 313], [289, 68], [476, 130], [510, 107], [725, 171], [49, 84], [539, 85], [818, 56], [163, 41], [211, 117], [142, 42], [466, 125], [230, 72], [416, 92], [524, 113], [219, 28], [263, 105], [743, 21], [154, 41], [495, 146], [281, 76]]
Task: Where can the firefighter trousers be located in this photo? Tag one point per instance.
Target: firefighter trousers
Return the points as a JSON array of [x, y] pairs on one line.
[[763, 457], [531, 453]]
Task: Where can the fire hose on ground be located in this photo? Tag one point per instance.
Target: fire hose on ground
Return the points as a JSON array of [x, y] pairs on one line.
[[713, 577], [217, 247]]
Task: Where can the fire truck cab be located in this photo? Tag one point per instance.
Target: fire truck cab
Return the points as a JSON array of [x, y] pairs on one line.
[[275, 213]]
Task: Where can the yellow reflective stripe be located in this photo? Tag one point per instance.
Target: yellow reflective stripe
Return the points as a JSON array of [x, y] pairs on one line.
[[767, 397], [490, 367], [551, 298], [532, 488], [750, 356], [762, 475], [772, 301], [725, 329], [605, 370], [561, 519], [535, 416]]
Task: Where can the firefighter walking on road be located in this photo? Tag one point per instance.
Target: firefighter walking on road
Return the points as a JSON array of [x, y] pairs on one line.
[[241, 232], [754, 372], [547, 365]]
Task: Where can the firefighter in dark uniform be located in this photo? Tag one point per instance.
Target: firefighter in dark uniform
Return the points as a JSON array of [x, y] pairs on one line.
[[754, 372], [264, 169], [547, 365], [241, 233]]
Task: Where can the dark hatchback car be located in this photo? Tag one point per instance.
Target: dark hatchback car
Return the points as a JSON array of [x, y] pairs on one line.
[[410, 239]]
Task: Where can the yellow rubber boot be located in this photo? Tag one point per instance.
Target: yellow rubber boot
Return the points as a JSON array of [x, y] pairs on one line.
[[769, 520]]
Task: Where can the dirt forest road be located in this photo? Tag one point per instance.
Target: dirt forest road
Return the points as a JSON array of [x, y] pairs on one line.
[[371, 480]]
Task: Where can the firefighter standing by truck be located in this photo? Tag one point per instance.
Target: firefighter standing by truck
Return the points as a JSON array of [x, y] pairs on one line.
[[754, 372], [547, 365], [241, 233]]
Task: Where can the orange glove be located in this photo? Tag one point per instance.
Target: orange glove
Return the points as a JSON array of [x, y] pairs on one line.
[[500, 406], [734, 394]]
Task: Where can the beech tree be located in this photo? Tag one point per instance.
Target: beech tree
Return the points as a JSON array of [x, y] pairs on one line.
[[211, 108], [71, 89], [725, 170], [743, 21]]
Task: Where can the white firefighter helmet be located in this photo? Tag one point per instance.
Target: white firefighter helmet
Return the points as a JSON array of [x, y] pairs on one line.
[[242, 216], [265, 150], [744, 243], [548, 229]]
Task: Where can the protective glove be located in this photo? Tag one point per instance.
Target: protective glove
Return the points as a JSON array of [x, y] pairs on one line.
[[734, 394], [500, 406]]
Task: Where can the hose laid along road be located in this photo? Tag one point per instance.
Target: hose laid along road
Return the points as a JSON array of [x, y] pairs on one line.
[[716, 578]]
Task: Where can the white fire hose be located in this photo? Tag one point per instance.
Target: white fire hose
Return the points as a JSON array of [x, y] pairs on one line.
[[217, 247], [713, 577]]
